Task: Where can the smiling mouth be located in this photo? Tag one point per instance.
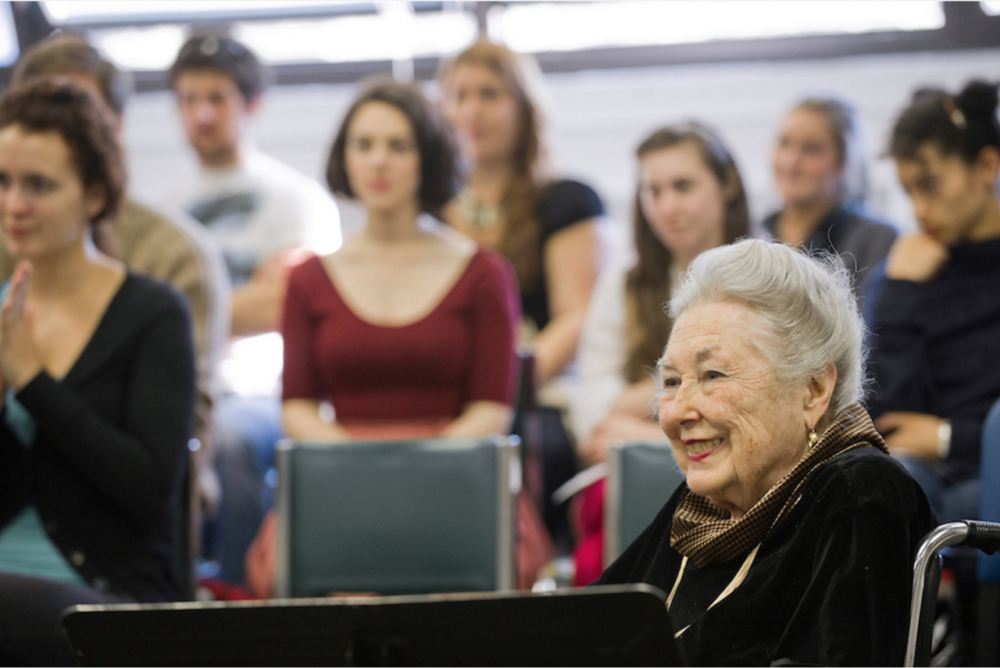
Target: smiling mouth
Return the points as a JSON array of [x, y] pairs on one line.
[[699, 447]]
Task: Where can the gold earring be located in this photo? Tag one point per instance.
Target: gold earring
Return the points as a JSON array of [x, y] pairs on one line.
[[813, 438]]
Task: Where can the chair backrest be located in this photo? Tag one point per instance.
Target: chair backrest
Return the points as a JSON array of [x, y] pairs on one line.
[[641, 478], [396, 517], [989, 499]]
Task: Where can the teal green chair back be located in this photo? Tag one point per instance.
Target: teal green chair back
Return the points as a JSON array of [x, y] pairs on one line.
[[641, 478], [396, 517]]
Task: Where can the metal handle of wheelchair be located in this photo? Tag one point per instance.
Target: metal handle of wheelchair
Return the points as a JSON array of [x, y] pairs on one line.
[[984, 536]]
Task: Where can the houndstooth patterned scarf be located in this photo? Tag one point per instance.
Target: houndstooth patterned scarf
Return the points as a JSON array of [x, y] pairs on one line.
[[706, 534]]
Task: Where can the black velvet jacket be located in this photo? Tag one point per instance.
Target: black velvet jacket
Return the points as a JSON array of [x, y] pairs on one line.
[[829, 586], [110, 444]]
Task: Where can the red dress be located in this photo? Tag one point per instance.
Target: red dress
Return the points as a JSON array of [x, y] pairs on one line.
[[426, 371], [403, 382]]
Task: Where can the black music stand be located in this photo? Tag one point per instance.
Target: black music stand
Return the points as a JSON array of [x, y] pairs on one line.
[[611, 625]]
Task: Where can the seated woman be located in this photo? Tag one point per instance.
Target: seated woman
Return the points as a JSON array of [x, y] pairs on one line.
[[409, 329], [97, 365], [819, 170], [690, 198], [933, 305], [794, 537], [552, 229]]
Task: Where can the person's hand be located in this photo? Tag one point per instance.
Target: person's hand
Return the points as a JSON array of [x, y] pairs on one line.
[[20, 360], [910, 434], [916, 257]]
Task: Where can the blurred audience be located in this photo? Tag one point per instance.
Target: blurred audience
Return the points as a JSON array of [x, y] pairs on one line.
[[263, 214], [932, 306], [97, 366], [163, 244], [409, 329], [690, 198], [820, 172]]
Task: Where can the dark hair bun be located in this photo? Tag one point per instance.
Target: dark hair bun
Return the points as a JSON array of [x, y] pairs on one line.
[[978, 100]]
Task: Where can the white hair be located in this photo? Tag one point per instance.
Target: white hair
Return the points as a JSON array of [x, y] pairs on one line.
[[805, 303]]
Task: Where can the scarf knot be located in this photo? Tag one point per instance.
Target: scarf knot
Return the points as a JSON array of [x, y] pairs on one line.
[[707, 534]]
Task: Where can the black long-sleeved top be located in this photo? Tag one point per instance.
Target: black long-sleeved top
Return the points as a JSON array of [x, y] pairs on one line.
[[110, 445], [830, 585], [935, 347]]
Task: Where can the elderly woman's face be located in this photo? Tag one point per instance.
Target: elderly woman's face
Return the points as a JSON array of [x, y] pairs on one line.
[[735, 429]]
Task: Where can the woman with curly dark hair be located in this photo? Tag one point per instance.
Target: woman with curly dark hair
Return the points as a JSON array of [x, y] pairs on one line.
[[98, 373]]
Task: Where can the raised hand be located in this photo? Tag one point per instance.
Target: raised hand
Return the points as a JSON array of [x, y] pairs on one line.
[[20, 360], [917, 258]]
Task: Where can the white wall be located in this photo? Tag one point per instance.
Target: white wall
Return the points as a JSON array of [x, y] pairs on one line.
[[598, 118]]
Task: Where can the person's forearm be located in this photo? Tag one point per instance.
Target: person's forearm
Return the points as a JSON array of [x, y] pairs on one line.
[[255, 311], [302, 422], [636, 400], [480, 418], [555, 346]]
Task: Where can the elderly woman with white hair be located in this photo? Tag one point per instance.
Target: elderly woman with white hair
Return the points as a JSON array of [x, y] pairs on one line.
[[793, 539]]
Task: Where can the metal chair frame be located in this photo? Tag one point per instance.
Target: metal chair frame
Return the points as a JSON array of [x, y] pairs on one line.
[[984, 536]]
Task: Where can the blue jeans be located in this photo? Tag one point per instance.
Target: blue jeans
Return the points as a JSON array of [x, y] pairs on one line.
[[245, 431], [950, 502]]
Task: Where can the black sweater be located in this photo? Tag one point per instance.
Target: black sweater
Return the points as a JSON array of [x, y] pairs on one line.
[[110, 444], [830, 584], [935, 347]]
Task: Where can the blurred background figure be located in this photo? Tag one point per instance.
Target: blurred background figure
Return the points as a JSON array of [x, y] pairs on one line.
[[97, 369], [407, 331], [161, 243], [264, 215], [934, 313], [689, 199], [819, 169], [933, 306], [550, 228]]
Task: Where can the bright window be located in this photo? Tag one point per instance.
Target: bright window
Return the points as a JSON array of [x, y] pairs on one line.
[[387, 35], [990, 7], [574, 26], [8, 36], [121, 11], [147, 35]]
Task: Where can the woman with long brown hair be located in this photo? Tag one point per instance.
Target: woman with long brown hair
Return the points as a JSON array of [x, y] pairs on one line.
[[550, 229], [547, 227], [690, 198]]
